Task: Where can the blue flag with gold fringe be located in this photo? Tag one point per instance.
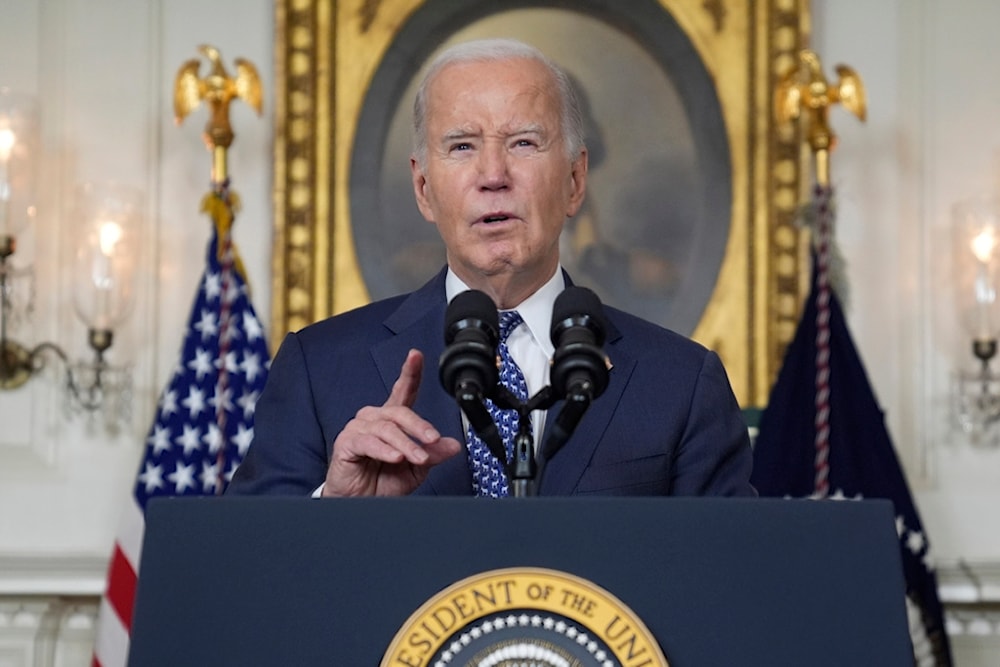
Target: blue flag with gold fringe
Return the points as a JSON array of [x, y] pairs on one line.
[[823, 435]]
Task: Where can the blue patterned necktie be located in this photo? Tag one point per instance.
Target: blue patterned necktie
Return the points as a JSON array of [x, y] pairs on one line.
[[488, 475]]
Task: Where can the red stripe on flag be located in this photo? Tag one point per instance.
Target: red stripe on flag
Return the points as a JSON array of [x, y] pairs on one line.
[[121, 587]]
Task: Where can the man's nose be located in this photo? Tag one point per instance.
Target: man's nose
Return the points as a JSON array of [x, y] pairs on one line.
[[493, 166]]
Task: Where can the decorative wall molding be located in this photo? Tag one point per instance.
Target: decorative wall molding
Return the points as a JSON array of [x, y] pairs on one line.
[[47, 631], [48, 609], [64, 576], [970, 593], [963, 583]]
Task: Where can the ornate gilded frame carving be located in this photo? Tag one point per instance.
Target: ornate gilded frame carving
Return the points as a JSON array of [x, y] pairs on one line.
[[328, 52]]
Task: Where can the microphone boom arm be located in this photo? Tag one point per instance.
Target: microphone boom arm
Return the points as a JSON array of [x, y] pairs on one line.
[[569, 416], [522, 470], [470, 400]]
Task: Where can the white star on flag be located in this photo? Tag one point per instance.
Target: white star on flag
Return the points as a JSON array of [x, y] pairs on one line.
[[213, 438], [222, 399], [208, 325], [189, 440], [915, 542], [182, 477], [201, 364], [160, 439], [168, 404], [209, 476], [151, 478], [251, 366]]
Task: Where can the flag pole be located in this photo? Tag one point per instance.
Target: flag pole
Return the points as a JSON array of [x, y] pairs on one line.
[[804, 93], [218, 89], [204, 418], [792, 453]]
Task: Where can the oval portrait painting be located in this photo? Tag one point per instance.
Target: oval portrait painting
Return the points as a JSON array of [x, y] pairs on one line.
[[651, 236]]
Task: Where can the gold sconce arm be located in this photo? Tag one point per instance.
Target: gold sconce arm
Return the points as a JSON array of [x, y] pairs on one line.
[[18, 363]]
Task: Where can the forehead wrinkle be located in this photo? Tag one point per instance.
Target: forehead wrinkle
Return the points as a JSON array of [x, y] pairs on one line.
[[528, 112], [460, 133]]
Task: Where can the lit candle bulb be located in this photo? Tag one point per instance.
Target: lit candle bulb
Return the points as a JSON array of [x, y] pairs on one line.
[[983, 246], [7, 141], [103, 276]]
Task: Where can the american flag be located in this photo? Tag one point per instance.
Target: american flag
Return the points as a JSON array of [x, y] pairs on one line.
[[204, 418], [823, 435]]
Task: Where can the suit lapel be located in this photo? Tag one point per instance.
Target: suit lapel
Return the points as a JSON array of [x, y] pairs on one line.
[[418, 323], [561, 475]]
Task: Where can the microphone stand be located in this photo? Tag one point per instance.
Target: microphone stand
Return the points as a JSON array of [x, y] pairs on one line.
[[522, 470], [576, 403]]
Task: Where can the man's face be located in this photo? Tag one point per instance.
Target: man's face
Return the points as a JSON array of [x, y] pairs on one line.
[[497, 181]]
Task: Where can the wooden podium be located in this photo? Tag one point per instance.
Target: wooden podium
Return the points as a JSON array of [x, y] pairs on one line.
[[283, 581]]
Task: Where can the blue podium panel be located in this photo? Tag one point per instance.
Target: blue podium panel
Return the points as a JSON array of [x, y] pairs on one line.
[[290, 581]]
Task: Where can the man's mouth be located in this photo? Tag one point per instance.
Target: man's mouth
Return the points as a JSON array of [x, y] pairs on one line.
[[496, 217]]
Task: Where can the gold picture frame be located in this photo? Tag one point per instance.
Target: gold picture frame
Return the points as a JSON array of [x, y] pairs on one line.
[[343, 69]]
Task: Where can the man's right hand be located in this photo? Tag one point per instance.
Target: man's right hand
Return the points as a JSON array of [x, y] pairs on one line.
[[388, 450]]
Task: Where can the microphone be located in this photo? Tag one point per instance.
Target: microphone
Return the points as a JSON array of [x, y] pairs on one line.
[[468, 368], [579, 372], [578, 331]]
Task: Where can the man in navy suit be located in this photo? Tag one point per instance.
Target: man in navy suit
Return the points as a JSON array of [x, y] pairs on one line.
[[353, 405]]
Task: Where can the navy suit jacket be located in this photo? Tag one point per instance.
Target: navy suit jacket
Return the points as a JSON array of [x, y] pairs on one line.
[[667, 424]]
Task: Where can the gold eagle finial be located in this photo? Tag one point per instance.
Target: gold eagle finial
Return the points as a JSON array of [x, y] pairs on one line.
[[218, 89], [804, 90]]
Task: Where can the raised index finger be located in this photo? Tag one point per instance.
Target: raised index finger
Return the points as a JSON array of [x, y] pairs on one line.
[[404, 391]]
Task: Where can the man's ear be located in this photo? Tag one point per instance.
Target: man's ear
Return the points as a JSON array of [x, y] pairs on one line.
[[420, 189], [578, 183]]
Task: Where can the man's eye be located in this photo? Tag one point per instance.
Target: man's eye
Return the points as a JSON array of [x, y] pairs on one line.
[[461, 146], [524, 142]]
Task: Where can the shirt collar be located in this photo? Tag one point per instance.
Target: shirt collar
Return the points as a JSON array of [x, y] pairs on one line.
[[536, 310]]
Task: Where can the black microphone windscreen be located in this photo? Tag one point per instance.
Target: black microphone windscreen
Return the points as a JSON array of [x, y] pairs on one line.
[[577, 306], [471, 306]]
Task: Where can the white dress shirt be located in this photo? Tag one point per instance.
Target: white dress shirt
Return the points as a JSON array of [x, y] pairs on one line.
[[529, 344]]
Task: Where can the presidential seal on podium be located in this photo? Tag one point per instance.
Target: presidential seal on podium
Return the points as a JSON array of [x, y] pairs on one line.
[[524, 616]]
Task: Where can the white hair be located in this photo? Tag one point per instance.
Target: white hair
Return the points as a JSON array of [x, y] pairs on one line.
[[490, 50]]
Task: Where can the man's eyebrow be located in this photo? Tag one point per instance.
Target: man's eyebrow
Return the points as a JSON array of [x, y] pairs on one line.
[[464, 134], [531, 128], [457, 134]]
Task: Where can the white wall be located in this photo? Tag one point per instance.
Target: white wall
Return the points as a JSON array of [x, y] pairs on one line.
[[103, 70]]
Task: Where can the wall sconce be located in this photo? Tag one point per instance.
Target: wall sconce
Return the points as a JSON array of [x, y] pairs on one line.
[[19, 148], [106, 220], [976, 228]]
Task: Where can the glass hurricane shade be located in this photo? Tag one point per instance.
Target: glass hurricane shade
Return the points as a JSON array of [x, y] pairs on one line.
[[19, 157], [977, 260], [107, 216]]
